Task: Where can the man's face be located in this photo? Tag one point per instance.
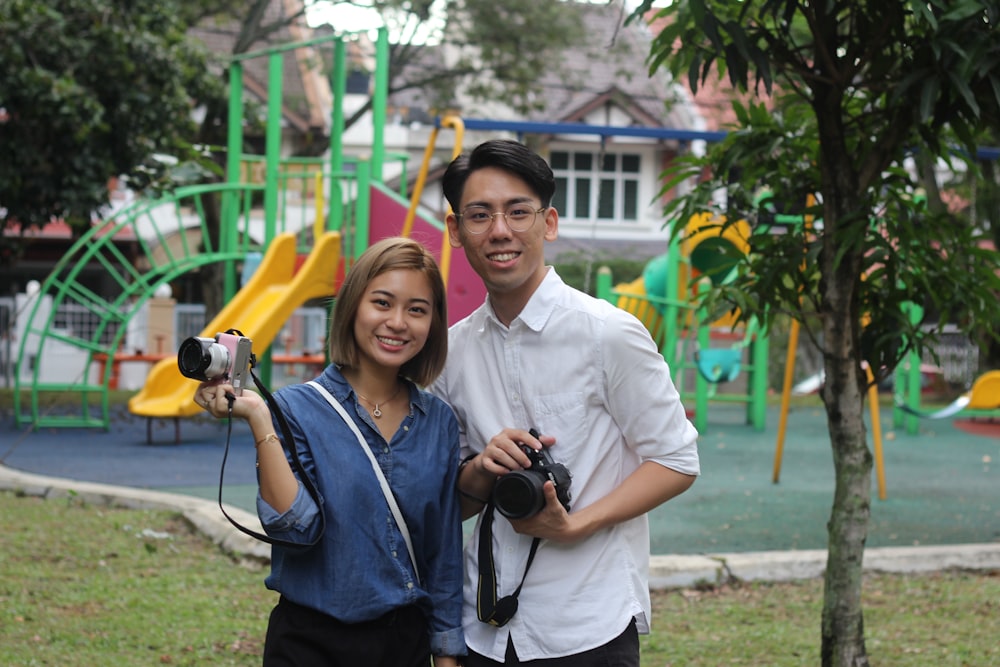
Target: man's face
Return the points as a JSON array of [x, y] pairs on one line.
[[511, 263]]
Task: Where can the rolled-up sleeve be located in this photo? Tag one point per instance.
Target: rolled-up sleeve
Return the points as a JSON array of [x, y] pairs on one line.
[[449, 642], [295, 523], [301, 522], [643, 399]]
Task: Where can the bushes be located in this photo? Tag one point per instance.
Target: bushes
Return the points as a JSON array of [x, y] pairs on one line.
[[581, 273]]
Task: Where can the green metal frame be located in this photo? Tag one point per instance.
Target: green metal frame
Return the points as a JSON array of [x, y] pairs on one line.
[[160, 264], [151, 224]]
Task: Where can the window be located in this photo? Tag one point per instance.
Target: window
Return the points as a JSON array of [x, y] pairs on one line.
[[591, 185]]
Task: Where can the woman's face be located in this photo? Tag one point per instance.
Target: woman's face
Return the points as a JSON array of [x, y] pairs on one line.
[[394, 318]]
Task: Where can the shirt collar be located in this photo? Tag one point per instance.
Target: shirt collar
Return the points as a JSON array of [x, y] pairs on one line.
[[337, 384], [543, 301]]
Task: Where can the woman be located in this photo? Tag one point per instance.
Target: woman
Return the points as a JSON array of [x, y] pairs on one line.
[[354, 597]]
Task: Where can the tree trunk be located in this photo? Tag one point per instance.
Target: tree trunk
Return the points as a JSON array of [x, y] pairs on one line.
[[843, 623], [212, 275], [843, 638]]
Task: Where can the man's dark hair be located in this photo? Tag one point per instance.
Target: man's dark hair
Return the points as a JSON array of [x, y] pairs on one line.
[[506, 154]]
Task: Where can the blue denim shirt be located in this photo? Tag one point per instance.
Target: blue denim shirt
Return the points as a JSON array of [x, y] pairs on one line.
[[360, 569]]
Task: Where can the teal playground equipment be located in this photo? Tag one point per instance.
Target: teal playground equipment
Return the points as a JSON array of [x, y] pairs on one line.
[[711, 352], [317, 215]]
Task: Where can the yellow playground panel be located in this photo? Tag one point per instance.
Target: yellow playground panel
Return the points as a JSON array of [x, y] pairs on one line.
[[985, 392], [710, 246], [706, 250]]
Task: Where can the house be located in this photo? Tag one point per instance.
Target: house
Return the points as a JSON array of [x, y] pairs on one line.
[[603, 82]]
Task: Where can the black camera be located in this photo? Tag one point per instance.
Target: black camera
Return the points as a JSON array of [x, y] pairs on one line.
[[225, 358], [518, 494]]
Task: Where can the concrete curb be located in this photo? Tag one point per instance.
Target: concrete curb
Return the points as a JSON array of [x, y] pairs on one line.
[[664, 571], [680, 571]]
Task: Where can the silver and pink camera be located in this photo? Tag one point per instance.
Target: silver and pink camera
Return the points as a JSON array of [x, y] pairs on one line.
[[225, 358]]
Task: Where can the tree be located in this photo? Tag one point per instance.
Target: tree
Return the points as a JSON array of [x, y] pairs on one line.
[[479, 50], [859, 86], [89, 90]]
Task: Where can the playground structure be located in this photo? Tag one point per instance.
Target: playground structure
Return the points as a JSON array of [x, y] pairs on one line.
[[981, 401], [302, 250], [174, 235], [666, 299], [786, 393], [261, 306]]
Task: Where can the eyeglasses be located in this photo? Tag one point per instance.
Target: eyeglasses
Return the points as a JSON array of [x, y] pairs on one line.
[[479, 219]]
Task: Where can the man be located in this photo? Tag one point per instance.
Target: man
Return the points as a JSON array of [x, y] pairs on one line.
[[588, 379]]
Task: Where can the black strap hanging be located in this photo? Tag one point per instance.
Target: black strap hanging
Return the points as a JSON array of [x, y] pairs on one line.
[[288, 442], [490, 610]]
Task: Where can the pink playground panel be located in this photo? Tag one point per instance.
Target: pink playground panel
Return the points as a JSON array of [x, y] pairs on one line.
[[465, 290]]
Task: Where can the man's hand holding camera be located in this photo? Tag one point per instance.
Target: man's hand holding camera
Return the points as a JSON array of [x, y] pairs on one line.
[[504, 453], [525, 484], [552, 522]]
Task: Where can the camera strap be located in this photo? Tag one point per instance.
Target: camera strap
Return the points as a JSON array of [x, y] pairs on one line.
[[288, 443], [489, 609]]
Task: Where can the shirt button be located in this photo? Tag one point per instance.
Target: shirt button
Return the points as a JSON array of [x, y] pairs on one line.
[[393, 554], [516, 398], [409, 584], [406, 428], [385, 450]]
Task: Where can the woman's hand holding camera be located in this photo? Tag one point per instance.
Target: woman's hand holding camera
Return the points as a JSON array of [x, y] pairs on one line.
[[214, 398]]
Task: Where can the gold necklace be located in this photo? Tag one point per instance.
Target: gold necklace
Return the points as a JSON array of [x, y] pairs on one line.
[[377, 413]]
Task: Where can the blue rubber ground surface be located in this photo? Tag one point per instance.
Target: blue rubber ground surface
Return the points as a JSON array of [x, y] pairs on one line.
[[943, 484]]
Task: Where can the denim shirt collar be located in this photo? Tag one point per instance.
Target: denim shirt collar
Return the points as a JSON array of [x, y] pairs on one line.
[[334, 381]]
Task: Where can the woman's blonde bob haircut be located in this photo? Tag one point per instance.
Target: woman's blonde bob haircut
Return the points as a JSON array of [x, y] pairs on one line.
[[391, 254]]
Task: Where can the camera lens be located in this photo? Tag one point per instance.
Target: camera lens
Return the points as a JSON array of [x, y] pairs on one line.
[[202, 359], [519, 494]]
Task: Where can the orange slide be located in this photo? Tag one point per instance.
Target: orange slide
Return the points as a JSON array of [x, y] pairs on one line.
[[258, 310]]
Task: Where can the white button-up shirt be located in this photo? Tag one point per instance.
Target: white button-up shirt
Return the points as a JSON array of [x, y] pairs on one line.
[[587, 373]]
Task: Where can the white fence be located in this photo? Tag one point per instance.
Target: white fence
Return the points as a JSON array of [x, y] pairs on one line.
[[303, 334]]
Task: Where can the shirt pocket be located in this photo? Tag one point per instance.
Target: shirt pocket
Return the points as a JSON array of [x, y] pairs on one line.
[[563, 416]]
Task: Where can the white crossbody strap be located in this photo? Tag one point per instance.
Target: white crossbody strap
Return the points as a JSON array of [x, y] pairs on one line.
[[386, 491]]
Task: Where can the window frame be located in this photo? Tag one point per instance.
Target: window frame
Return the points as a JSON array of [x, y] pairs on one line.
[[626, 210]]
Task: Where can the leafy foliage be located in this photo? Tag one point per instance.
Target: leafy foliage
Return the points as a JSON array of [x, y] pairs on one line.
[[910, 254], [90, 89], [479, 52], [860, 88], [511, 43]]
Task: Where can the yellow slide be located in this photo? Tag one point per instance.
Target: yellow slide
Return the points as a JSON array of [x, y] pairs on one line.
[[259, 310]]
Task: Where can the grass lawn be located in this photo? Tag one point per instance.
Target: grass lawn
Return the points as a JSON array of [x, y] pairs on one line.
[[84, 585]]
